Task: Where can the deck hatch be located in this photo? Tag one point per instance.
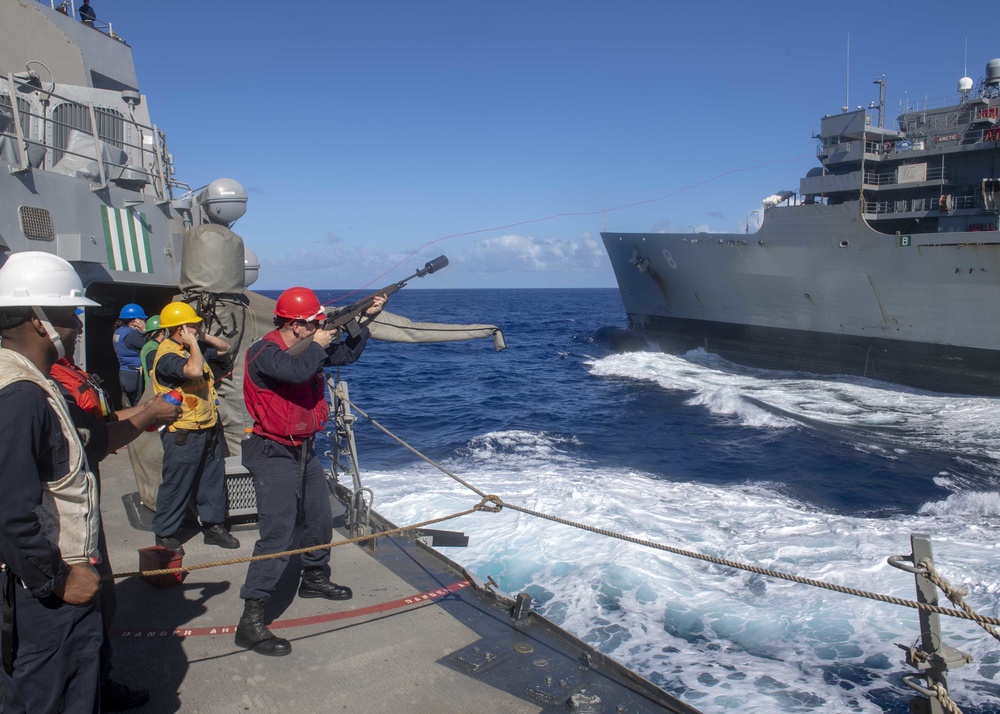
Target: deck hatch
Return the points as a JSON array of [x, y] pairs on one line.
[[36, 223]]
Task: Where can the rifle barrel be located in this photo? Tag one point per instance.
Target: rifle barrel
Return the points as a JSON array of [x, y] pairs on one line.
[[352, 312]]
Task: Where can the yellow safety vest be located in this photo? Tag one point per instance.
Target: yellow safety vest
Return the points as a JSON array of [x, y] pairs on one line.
[[199, 410]]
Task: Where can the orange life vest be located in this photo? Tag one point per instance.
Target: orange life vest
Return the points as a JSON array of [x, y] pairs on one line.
[[85, 388]]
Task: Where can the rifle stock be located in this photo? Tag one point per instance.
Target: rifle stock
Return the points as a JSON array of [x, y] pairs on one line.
[[346, 318]]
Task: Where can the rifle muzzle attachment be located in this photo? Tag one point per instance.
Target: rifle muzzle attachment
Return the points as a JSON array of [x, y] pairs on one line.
[[437, 264]]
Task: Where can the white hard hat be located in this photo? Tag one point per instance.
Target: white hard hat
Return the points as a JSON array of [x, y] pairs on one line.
[[33, 278]]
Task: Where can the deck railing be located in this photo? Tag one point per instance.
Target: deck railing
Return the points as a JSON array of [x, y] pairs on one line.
[[68, 8], [48, 131], [920, 205], [934, 173]]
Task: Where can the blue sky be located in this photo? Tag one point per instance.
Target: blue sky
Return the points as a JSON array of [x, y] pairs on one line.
[[364, 131]]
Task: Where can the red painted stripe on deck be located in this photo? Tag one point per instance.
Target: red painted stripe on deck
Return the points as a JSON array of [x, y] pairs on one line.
[[428, 596]]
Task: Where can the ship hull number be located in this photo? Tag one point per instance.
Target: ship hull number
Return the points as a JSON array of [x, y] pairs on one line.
[[670, 259]]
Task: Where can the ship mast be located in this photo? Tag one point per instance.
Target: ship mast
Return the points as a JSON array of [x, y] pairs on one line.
[[847, 98], [880, 81]]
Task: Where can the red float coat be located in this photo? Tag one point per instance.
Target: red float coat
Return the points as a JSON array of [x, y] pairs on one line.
[[286, 412]]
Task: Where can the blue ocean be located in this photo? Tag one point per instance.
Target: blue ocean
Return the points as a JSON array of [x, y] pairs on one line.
[[816, 476]]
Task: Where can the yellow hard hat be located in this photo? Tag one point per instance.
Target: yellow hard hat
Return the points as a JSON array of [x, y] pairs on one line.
[[178, 313]]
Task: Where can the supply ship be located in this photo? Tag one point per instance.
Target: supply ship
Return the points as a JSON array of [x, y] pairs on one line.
[[884, 264], [86, 174]]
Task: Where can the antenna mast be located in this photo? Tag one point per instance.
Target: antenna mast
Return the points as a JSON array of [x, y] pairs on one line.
[[847, 99], [880, 81]]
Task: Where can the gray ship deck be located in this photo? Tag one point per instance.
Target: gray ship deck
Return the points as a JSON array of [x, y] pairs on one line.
[[374, 653]]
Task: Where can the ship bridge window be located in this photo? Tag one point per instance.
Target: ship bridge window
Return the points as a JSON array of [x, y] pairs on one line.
[[70, 117]]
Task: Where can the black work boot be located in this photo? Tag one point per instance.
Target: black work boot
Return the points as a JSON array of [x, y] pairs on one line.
[[116, 697], [218, 535], [170, 543], [316, 584], [252, 633]]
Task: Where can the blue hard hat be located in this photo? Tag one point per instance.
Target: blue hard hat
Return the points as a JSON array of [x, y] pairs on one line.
[[131, 312]]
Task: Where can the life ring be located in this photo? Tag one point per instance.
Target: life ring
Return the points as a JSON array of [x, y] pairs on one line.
[[887, 147]]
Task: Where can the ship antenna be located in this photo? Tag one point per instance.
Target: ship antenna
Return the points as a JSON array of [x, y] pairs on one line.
[[880, 81], [847, 99], [965, 84]]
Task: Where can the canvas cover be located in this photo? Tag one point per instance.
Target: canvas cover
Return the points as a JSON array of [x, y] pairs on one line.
[[214, 261]]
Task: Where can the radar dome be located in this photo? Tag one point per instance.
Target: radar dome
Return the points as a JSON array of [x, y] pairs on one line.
[[965, 85], [251, 267], [224, 200], [993, 72]]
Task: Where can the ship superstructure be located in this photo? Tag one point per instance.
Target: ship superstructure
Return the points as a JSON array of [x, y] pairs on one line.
[[85, 174], [936, 173], [884, 264]]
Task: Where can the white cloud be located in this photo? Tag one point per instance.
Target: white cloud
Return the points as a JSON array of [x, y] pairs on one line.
[[502, 261], [527, 253]]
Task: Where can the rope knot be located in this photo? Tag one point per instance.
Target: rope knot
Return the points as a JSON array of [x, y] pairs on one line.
[[955, 594], [490, 498]]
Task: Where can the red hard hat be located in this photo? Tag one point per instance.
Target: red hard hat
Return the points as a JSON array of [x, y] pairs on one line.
[[299, 304]]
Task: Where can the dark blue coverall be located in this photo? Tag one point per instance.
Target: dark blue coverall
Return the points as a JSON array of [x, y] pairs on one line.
[[56, 662], [286, 492]]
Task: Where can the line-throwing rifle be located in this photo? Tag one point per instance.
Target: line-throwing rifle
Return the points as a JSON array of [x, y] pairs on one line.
[[346, 318]]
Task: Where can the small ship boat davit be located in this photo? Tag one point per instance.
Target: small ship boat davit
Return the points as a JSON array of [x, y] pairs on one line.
[[885, 264]]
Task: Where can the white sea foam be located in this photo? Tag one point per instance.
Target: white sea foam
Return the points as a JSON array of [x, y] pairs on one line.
[[731, 640], [894, 419]]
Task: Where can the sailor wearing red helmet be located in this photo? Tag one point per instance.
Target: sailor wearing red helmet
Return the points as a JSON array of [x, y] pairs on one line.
[[286, 397]]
